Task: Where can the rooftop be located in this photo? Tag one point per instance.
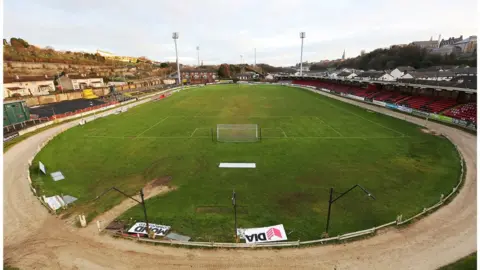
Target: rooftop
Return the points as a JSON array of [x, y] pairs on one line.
[[13, 79]]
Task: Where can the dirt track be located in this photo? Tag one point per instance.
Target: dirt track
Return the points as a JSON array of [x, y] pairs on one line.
[[34, 239]]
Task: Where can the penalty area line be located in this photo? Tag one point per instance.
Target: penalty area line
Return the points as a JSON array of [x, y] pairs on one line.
[[323, 122], [191, 135], [152, 127]]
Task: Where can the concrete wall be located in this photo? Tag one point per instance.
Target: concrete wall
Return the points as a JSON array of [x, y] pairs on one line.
[[40, 100]]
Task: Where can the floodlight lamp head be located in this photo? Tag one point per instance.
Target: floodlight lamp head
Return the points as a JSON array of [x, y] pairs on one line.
[[302, 34], [198, 48], [175, 35]]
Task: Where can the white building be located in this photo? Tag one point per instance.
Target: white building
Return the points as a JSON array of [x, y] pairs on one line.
[[27, 86], [80, 82], [430, 75], [374, 76], [401, 71], [351, 76], [116, 83], [446, 50], [467, 45]]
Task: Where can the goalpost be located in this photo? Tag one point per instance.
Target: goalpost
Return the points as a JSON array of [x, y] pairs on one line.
[[238, 133]]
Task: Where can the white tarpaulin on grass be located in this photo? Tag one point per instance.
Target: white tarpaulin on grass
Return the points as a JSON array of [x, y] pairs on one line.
[[141, 228], [237, 165], [57, 176], [55, 202], [265, 234], [42, 167]]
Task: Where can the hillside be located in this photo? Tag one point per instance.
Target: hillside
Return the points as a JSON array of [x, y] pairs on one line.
[[381, 59], [21, 58], [20, 50]]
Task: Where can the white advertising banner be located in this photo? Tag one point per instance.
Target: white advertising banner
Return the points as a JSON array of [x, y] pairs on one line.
[[379, 103], [355, 97], [265, 234], [141, 228]]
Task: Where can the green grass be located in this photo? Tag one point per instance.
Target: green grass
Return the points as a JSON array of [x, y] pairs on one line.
[[467, 263], [310, 143], [8, 267]]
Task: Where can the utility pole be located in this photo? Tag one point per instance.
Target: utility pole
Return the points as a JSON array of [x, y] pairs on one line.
[[234, 203], [255, 63]]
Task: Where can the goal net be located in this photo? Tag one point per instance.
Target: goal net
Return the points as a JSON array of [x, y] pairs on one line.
[[237, 133]]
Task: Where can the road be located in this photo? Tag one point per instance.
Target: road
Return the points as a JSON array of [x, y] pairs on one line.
[[34, 239]]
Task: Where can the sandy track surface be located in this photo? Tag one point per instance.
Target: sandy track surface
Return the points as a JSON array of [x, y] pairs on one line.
[[34, 239]]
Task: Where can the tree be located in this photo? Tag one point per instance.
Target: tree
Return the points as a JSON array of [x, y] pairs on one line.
[[164, 65], [19, 43], [5, 42], [224, 71]]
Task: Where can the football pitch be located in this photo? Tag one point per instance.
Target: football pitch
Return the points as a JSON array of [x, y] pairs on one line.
[[309, 143]]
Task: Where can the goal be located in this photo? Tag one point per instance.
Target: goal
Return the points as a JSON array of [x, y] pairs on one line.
[[238, 133]]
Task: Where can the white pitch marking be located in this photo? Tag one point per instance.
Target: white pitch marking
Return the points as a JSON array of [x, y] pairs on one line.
[[237, 165], [153, 126], [191, 135], [267, 137], [329, 126]]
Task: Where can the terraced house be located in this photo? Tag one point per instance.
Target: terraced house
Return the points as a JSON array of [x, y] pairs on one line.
[[18, 86], [80, 82]]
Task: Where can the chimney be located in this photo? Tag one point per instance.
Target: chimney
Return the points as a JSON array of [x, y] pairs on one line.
[[16, 77], [46, 77], [66, 75]]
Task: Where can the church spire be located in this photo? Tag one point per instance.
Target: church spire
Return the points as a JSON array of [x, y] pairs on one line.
[[343, 55]]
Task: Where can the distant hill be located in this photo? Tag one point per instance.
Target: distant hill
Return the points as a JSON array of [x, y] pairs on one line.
[[381, 59]]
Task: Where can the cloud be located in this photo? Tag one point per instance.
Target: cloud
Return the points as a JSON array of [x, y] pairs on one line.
[[224, 30]]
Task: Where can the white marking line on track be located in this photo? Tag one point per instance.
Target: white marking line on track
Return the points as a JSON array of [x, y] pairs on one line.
[[284, 134], [329, 126], [152, 126]]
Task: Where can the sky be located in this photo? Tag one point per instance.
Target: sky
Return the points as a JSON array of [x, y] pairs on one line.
[[224, 30]]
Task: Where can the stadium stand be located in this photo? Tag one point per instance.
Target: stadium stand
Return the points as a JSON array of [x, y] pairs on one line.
[[467, 112], [440, 105]]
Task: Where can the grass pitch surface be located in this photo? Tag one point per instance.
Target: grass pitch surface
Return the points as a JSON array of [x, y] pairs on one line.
[[309, 144]]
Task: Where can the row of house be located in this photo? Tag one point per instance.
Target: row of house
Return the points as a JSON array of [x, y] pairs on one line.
[[404, 72], [17, 86]]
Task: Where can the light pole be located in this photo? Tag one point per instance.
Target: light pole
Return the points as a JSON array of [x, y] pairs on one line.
[[234, 203], [302, 36], [332, 200], [255, 63], [142, 202], [198, 55], [175, 37], [241, 59]]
